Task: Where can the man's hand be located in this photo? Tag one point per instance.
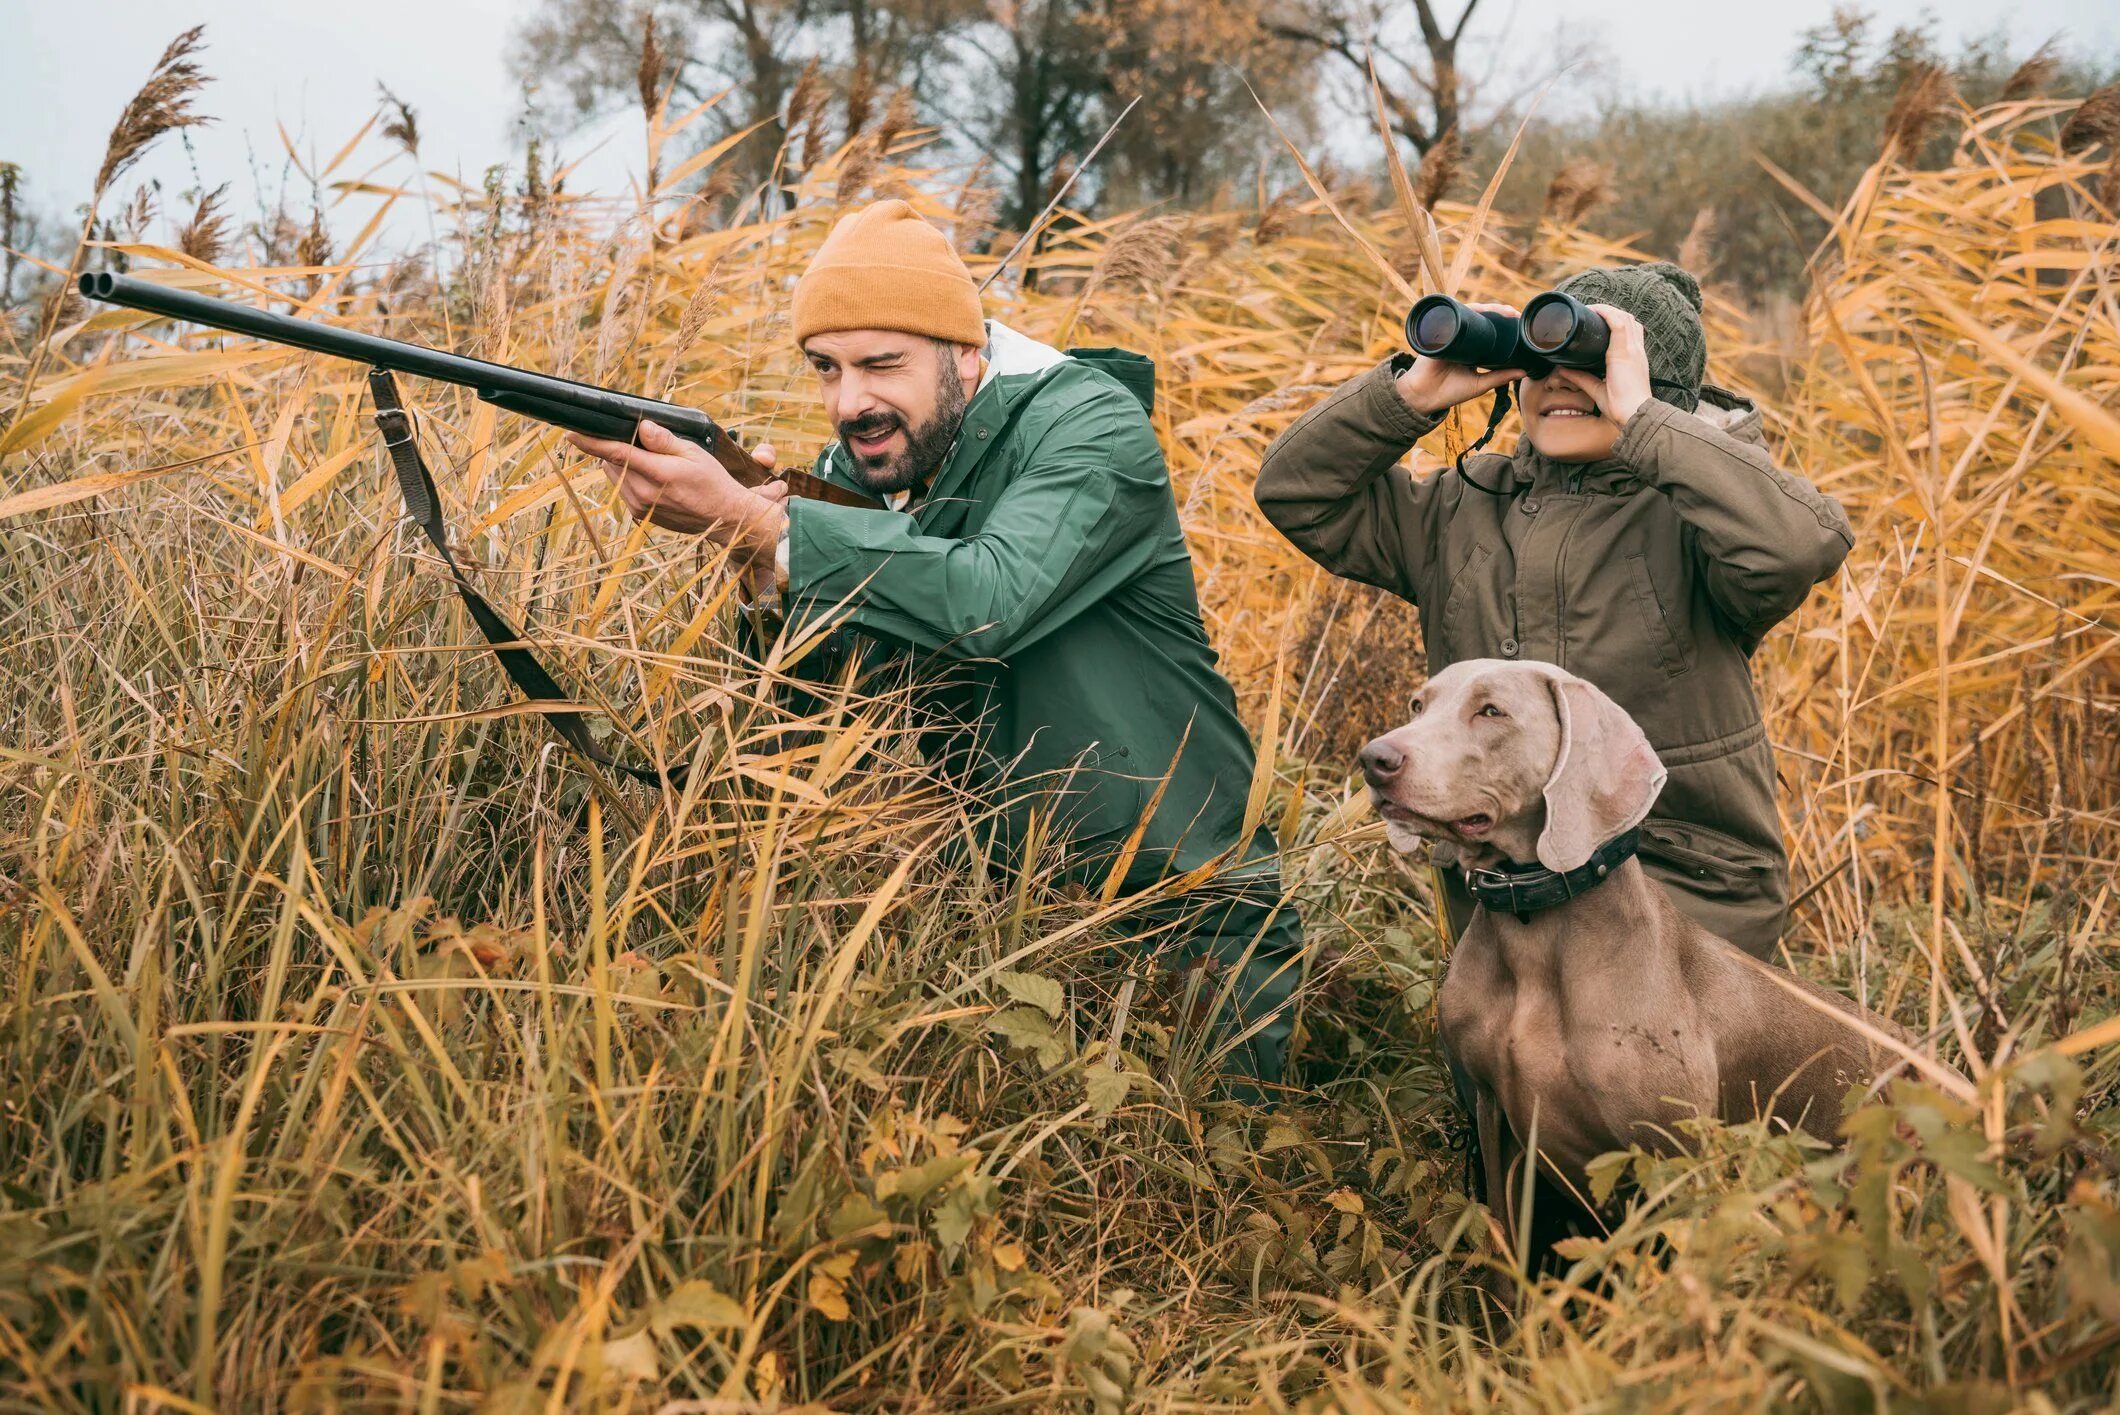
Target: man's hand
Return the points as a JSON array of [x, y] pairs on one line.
[[1625, 386], [670, 482], [1431, 385]]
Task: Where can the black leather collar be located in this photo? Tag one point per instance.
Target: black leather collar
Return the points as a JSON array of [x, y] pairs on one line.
[[1523, 890]]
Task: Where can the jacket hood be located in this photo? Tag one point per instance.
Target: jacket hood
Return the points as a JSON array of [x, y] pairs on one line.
[[1732, 414], [1009, 354]]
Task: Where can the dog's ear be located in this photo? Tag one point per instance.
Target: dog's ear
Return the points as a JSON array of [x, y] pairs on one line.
[[1605, 776]]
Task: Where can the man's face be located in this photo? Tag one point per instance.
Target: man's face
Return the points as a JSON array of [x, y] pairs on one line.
[[1562, 419], [895, 399]]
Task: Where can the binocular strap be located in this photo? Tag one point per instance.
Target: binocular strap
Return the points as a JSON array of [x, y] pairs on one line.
[[424, 505], [1496, 413]]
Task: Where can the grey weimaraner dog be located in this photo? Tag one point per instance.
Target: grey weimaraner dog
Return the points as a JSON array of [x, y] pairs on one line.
[[1580, 1001]]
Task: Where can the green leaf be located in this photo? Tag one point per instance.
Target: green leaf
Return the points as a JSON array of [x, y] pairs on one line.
[[700, 1306], [953, 1220], [855, 1213], [798, 1207], [918, 1181], [474, 1275], [1848, 1264], [829, 1296], [1963, 1153], [1912, 1272], [1604, 1173], [631, 1358], [1280, 1135], [1028, 1030], [1101, 1356], [1106, 1088], [1045, 994], [861, 1066]]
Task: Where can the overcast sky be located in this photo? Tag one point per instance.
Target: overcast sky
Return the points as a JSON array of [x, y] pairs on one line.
[[66, 69]]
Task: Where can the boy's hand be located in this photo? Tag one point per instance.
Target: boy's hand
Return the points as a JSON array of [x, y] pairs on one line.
[[676, 484], [1625, 386], [1430, 386]]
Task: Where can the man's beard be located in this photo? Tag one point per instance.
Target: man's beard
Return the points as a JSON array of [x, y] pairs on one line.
[[925, 446]]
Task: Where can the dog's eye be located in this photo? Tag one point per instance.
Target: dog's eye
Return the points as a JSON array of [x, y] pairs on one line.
[[1490, 710]]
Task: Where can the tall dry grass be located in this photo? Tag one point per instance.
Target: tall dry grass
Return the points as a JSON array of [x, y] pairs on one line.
[[360, 1050]]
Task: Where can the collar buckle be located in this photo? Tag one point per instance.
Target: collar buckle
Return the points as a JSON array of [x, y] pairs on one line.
[[1528, 890]]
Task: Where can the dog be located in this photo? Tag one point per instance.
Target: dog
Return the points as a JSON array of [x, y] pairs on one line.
[[1581, 1006]]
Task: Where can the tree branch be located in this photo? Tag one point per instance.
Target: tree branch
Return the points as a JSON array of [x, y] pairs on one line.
[[1463, 20]]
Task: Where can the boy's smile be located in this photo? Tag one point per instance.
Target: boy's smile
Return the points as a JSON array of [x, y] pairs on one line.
[[1563, 417]]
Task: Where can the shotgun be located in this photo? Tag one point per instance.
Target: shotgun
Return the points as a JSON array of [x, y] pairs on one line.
[[578, 407]]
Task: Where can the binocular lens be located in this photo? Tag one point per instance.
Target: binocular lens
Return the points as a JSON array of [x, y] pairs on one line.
[[1435, 326], [1551, 325], [1567, 331]]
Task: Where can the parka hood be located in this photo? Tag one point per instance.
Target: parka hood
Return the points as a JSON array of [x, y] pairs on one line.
[[1010, 355], [1732, 414]]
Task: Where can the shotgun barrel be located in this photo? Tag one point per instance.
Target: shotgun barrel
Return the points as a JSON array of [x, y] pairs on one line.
[[579, 407]]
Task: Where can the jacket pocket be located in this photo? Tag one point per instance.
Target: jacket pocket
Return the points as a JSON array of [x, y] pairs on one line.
[[1674, 649], [1713, 864], [1456, 621]]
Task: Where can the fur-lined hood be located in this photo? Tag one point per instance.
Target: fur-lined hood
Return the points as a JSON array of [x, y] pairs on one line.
[[1732, 414]]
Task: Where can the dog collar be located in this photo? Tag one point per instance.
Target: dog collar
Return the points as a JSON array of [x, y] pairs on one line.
[[1524, 890]]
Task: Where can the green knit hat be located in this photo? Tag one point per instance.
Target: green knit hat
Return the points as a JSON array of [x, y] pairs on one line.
[[1667, 302]]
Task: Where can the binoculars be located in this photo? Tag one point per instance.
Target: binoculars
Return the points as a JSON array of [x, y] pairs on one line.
[[1555, 331]]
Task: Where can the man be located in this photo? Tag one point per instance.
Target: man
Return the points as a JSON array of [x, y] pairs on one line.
[[1028, 568]]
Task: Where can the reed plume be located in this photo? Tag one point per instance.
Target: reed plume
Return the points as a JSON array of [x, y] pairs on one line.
[[162, 105], [1439, 170], [401, 123], [2031, 77], [1697, 251], [1918, 109]]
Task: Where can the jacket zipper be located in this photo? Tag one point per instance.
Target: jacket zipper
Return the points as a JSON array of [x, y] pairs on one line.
[[1572, 484], [1560, 578]]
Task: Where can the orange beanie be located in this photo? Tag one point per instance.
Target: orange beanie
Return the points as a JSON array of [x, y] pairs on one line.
[[885, 268]]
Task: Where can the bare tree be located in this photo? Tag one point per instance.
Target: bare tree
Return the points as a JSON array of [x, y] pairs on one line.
[[1423, 92], [1198, 124], [591, 50], [1033, 81]]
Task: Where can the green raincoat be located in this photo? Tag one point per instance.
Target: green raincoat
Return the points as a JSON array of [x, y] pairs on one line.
[[1042, 591]]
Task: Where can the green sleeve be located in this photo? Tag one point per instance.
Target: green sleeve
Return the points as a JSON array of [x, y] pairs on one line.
[[1083, 517]]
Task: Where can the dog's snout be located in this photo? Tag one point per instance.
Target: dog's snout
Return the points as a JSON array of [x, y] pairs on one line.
[[1381, 762]]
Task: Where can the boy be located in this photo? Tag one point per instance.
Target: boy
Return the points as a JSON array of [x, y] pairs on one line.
[[1639, 536]]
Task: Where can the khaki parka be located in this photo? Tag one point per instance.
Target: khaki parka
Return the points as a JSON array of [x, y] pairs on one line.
[[1041, 593], [1654, 574]]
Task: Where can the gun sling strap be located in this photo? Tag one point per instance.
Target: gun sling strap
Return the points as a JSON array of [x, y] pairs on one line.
[[424, 504]]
